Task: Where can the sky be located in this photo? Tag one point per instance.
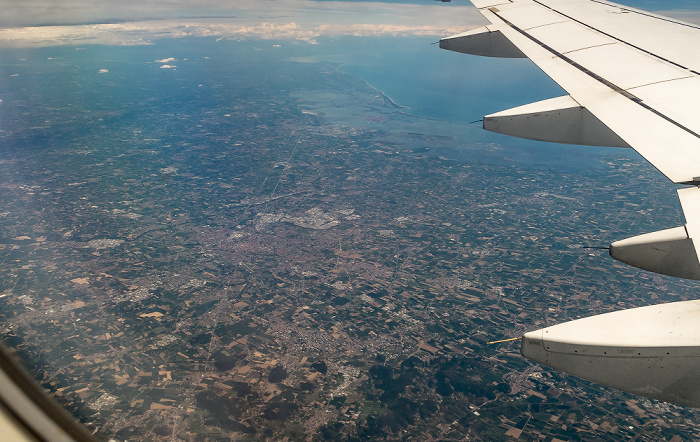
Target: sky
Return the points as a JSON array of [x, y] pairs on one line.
[[131, 22]]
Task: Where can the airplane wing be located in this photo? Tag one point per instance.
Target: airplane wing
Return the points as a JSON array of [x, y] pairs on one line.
[[629, 75], [632, 70], [633, 80]]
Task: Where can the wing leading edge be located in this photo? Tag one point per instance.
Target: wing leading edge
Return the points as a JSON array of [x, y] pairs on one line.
[[629, 75]]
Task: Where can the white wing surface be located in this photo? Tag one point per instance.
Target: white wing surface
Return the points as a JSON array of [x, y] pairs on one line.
[[633, 80]]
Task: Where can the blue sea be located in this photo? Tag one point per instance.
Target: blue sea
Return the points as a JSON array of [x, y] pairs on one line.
[[447, 93], [452, 92]]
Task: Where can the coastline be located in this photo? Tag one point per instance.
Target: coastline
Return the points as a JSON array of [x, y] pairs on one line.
[[394, 103], [403, 110]]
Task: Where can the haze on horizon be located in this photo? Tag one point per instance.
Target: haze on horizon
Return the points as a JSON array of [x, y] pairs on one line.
[[131, 22]]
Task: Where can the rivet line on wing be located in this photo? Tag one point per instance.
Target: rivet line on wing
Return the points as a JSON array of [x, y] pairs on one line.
[[592, 74], [619, 39], [646, 14]]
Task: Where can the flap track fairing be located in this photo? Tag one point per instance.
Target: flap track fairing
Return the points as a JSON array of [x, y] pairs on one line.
[[486, 41], [557, 120]]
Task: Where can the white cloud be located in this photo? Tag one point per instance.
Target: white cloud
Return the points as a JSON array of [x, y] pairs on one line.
[[103, 71], [165, 60], [303, 20], [62, 12], [140, 33], [168, 66]]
